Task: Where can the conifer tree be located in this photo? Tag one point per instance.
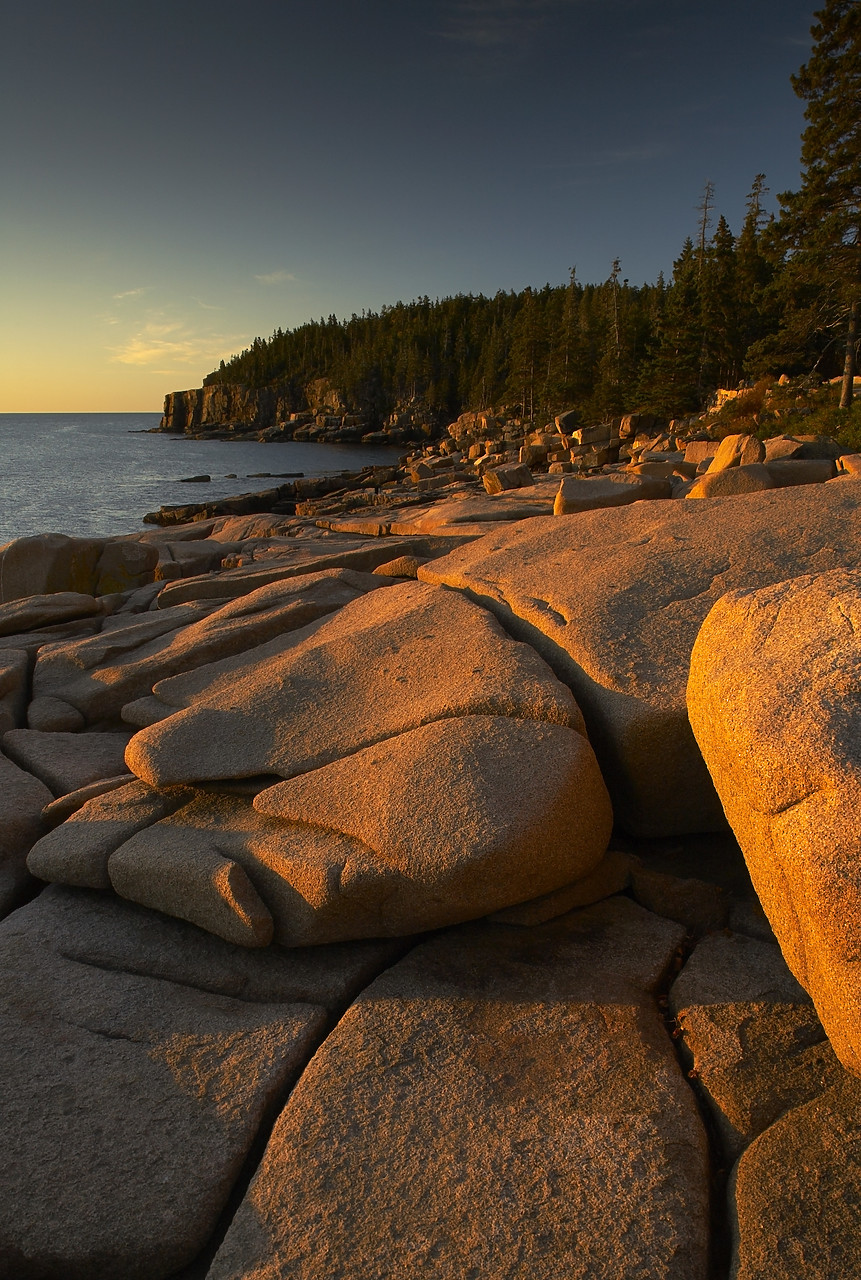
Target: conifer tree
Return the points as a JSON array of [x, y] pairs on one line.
[[821, 223]]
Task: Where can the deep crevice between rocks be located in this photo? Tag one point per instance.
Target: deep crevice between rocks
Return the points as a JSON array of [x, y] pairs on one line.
[[720, 1240], [199, 1268]]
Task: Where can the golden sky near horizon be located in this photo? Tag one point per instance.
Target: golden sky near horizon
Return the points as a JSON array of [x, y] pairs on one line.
[[172, 188]]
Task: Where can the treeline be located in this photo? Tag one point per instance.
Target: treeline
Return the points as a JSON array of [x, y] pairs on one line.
[[607, 348]]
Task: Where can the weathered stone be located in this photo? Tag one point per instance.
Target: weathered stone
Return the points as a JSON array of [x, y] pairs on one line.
[[77, 851], [14, 680], [123, 566], [737, 451], [402, 567], [34, 612], [817, 446], [97, 676], [362, 556], [331, 861], [730, 482], [849, 464], [795, 1196], [386, 663], [773, 705], [67, 761], [514, 475], [52, 562], [589, 493], [697, 904], [59, 810], [613, 601], [612, 875], [751, 1035], [700, 450], [22, 799], [139, 1058], [789, 471], [501, 1102]]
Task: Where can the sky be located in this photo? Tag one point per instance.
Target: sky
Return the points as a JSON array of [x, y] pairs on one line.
[[179, 177]]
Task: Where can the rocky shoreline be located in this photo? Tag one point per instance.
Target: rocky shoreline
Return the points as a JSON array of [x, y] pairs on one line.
[[452, 873]]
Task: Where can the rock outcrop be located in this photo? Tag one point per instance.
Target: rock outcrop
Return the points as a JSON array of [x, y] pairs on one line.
[[773, 703], [410, 693], [501, 1102], [502, 1052], [53, 562], [224, 405], [613, 600]]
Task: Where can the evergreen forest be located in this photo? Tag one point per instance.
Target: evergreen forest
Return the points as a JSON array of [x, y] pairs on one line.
[[780, 296]]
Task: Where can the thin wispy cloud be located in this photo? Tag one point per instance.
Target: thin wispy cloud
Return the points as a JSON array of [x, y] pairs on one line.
[[164, 342], [276, 277], [130, 293], [207, 306]]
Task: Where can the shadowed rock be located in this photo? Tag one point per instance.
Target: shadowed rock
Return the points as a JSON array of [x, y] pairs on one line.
[[613, 600], [139, 1058]]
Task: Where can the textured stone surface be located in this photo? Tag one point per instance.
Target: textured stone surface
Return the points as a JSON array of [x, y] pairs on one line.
[[732, 482], [751, 1034], [22, 799], [589, 493], [737, 451], [612, 875], [67, 761], [77, 851], [14, 679], [773, 701], [613, 601], [416, 832], [393, 660], [138, 1059], [99, 675], [795, 1198], [503, 1102], [59, 810], [44, 611], [53, 562], [363, 556], [512, 475]]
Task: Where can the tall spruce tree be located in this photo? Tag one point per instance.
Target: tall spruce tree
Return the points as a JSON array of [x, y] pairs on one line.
[[821, 223]]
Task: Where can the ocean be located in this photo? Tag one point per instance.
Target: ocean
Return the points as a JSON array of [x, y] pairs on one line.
[[100, 473]]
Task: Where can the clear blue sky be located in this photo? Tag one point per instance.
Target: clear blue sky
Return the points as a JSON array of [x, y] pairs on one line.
[[180, 177]]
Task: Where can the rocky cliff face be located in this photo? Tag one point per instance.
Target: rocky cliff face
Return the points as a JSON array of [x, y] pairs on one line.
[[225, 406]]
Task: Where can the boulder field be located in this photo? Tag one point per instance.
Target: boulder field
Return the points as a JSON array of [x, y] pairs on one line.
[[479, 898]]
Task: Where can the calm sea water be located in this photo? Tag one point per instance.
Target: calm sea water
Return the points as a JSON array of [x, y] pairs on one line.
[[96, 473]]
